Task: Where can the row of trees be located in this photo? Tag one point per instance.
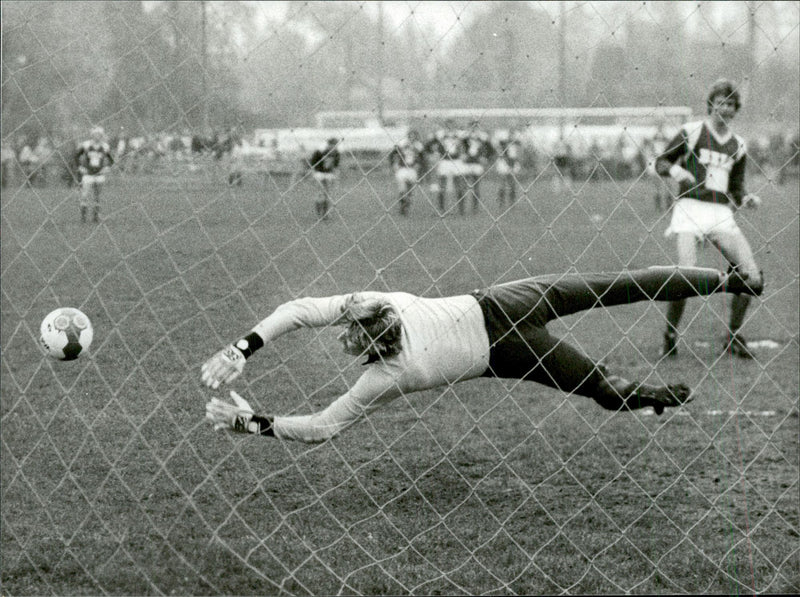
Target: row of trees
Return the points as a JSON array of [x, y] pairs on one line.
[[151, 66]]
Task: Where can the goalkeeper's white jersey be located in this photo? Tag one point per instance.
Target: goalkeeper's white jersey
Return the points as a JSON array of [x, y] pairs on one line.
[[444, 340]]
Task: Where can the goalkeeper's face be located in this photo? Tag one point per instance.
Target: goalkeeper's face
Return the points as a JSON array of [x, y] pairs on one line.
[[353, 346]]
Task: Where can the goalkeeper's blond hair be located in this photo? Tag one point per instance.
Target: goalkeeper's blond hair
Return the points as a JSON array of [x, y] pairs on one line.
[[372, 325]]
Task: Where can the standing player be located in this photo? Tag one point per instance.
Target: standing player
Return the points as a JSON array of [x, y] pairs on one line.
[[662, 195], [564, 163], [414, 343], [325, 169], [407, 161], [445, 148], [509, 155], [94, 159], [708, 161], [477, 153]]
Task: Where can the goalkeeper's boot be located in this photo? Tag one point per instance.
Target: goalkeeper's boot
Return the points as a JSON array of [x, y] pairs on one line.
[[670, 347], [659, 397], [737, 347], [737, 283], [616, 393]]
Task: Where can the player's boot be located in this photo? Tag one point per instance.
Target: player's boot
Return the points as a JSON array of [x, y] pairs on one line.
[[737, 347], [737, 283], [670, 347]]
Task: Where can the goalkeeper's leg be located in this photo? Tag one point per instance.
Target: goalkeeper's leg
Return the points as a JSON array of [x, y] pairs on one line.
[[553, 362], [567, 294]]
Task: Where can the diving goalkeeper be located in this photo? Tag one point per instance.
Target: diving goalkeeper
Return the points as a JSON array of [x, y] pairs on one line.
[[413, 343]]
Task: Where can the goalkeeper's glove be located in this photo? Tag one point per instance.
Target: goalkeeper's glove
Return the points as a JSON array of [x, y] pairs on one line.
[[751, 201], [681, 174], [237, 417], [223, 367]]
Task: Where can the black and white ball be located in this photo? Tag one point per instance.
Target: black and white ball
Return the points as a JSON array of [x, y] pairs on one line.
[[66, 333]]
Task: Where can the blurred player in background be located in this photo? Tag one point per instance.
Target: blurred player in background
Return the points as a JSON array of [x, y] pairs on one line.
[[407, 160], [325, 170], [509, 164], [708, 161], [413, 343], [7, 158], [662, 194], [94, 160], [444, 151], [478, 151], [563, 161]]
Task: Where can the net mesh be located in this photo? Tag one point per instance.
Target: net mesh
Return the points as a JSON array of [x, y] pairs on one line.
[[112, 481]]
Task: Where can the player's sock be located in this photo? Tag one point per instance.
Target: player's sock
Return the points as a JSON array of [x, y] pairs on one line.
[[83, 214], [670, 346], [96, 216], [737, 347]]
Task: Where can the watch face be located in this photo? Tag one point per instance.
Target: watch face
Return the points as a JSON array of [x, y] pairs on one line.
[[242, 344]]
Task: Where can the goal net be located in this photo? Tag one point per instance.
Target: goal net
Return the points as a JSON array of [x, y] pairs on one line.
[[111, 479]]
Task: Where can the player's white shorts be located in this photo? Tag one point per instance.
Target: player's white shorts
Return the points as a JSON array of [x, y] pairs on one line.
[[504, 168], [324, 176], [449, 168], [90, 179], [405, 176], [701, 219], [473, 169]]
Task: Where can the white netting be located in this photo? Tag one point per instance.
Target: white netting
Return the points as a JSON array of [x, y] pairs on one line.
[[112, 482]]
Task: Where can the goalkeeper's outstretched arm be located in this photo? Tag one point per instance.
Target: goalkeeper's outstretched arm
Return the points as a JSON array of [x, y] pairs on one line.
[[228, 363]]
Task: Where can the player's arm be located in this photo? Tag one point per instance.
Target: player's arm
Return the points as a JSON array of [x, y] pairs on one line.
[[228, 363], [736, 186], [373, 389], [315, 160], [669, 163], [80, 159]]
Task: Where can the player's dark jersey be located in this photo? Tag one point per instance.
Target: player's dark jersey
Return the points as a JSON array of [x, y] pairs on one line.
[[447, 144], [93, 157], [408, 154], [325, 160], [718, 164], [477, 148]]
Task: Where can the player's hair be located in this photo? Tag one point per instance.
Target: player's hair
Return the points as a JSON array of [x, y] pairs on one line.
[[725, 88], [373, 325]]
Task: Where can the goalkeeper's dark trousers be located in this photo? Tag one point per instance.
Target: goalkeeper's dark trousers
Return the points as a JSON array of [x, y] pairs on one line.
[[516, 314]]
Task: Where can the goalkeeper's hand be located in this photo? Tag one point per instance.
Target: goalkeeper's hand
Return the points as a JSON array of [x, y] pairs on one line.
[[681, 174], [223, 367], [236, 417], [751, 201]]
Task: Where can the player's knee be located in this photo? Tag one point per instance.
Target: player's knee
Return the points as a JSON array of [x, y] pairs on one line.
[[749, 272]]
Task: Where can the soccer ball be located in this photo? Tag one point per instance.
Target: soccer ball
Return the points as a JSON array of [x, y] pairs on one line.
[[66, 333]]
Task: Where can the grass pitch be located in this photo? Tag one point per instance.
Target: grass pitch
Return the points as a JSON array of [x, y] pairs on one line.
[[113, 483]]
